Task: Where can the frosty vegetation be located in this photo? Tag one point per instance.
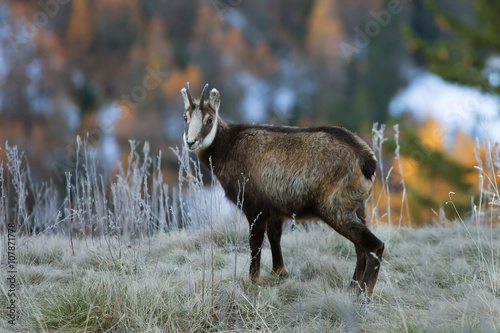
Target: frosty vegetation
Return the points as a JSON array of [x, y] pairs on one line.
[[137, 256]]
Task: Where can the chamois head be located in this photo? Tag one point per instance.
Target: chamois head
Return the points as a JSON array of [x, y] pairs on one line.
[[200, 118]]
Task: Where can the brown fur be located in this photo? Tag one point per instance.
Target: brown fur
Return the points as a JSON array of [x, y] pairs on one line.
[[321, 172]]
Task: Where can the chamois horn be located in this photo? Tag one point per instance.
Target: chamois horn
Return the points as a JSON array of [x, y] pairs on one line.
[[202, 97]]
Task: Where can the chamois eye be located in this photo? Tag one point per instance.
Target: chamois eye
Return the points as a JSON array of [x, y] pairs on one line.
[[210, 120], [185, 118]]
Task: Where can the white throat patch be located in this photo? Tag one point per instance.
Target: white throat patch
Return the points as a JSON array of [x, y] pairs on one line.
[[207, 141]]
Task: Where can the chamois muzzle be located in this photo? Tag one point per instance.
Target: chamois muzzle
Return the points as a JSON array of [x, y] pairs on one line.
[[190, 144]]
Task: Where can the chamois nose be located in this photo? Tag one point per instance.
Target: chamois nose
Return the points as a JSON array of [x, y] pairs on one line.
[[191, 143]]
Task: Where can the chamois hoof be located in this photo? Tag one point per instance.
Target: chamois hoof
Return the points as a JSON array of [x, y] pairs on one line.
[[256, 279], [281, 272]]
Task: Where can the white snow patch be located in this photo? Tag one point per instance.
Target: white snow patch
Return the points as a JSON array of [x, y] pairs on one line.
[[284, 100], [109, 114], [492, 71], [455, 107], [255, 100], [110, 150]]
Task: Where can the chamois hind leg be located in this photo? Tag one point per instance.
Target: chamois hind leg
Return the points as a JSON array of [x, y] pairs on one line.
[[374, 248], [359, 271], [274, 230], [349, 225], [257, 230]]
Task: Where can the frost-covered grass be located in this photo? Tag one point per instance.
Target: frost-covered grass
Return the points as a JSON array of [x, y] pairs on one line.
[[433, 279], [132, 255]]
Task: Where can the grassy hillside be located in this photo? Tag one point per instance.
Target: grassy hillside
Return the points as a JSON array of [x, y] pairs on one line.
[[434, 279]]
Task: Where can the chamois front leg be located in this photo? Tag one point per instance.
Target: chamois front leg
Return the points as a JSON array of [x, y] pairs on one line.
[[274, 230], [257, 230]]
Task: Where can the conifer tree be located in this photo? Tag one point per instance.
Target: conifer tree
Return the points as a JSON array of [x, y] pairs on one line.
[[463, 53]]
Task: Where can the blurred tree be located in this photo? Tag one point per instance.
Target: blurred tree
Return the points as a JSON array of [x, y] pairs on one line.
[[293, 19], [207, 35], [180, 17], [372, 76], [79, 33], [85, 96], [458, 41], [468, 44], [385, 60], [325, 32]]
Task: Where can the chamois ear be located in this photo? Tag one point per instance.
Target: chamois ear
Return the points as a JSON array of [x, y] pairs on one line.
[[186, 97], [214, 100]]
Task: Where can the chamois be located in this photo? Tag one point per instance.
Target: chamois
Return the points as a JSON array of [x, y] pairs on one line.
[[317, 172]]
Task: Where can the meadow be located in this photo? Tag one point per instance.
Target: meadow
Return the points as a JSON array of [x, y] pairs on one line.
[[141, 257], [434, 279]]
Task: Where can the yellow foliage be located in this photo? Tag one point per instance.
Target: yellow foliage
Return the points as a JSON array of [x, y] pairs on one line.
[[463, 153], [126, 121], [431, 135], [79, 29], [158, 46], [177, 80], [463, 149], [426, 193], [409, 167], [234, 41], [385, 207], [325, 30]]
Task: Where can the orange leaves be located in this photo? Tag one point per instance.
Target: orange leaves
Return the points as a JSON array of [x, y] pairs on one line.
[[79, 29], [432, 170], [178, 79], [325, 30], [431, 134]]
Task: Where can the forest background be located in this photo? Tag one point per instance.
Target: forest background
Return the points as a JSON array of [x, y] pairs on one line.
[[111, 71]]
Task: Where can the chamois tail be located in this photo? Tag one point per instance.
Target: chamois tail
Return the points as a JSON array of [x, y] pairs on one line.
[[368, 165]]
